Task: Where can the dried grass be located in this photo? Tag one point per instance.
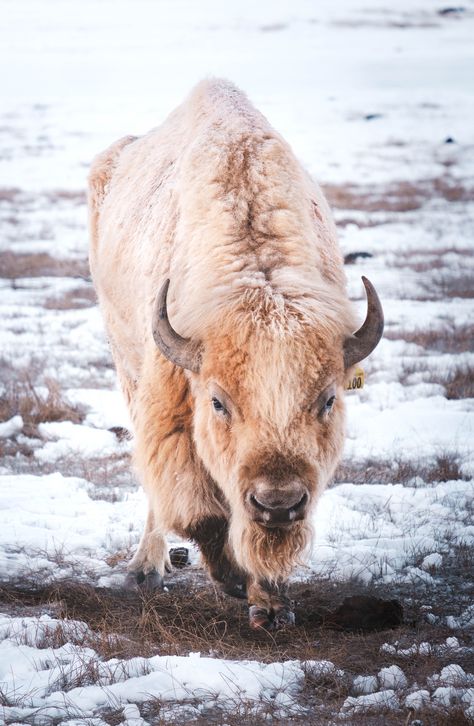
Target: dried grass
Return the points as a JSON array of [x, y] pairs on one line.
[[457, 339], [41, 264], [400, 196], [458, 381], [21, 397], [447, 466], [80, 297]]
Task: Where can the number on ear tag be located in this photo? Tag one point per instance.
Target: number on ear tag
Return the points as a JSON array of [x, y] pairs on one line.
[[356, 381]]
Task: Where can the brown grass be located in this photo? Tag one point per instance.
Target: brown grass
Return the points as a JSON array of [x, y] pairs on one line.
[[80, 297], [397, 197], [458, 339], [41, 264], [458, 381], [446, 467], [22, 398], [192, 617]]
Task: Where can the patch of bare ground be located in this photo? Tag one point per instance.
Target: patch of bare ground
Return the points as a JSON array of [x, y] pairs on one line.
[[77, 197], [16, 265], [80, 297], [425, 260], [400, 196], [458, 381], [458, 339], [9, 194], [193, 616], [441, 274], [447, 466]]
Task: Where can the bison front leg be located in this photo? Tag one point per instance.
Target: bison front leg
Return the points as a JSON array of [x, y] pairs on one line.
[[269, 605], [210, 534], [148, 566]]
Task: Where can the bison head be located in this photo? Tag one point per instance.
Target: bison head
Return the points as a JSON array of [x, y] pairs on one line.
[[269, 419]]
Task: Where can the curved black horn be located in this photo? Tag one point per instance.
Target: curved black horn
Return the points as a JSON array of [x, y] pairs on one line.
[[183, 352], [359, 345]]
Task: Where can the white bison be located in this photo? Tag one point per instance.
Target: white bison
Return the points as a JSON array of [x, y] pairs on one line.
[[219, 276]]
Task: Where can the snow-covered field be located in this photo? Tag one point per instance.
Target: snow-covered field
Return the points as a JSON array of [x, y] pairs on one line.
[[376, 99]]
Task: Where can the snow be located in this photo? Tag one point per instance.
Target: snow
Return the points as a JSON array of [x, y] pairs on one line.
[[432, 561], [392, 678], [11, 427], [366, 95], [465, 620], [31, 675], [362, 685], [417, 699], [75, 439], [371, 702]]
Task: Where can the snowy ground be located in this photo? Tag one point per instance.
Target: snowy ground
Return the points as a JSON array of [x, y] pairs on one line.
[[375, 101]]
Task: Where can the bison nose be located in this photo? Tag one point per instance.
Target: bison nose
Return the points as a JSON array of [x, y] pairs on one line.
[[277, 507]]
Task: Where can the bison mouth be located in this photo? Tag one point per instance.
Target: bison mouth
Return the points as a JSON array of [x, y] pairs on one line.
[[274, 517]]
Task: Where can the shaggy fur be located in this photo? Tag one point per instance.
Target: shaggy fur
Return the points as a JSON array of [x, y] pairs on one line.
[[215, 200]]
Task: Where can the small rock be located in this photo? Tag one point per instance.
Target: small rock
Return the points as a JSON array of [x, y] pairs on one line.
[[352, 257], [449, 140], [452, 11], [372, 116]]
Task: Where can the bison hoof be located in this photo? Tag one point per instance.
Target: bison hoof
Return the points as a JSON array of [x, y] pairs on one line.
[[149, 582], [260, 618]]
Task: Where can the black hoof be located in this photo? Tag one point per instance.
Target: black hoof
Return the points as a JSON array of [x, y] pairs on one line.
[[262, 619], [179, 556], [149, 582]]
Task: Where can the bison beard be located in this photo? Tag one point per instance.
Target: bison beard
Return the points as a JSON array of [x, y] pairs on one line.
[[211, 221]]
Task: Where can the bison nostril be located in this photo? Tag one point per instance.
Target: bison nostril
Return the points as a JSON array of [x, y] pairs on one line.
[[257, 504], [278, 509], [302, 503]]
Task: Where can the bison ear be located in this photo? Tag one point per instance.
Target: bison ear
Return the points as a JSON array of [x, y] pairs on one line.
[[363, 341], [183, 352]]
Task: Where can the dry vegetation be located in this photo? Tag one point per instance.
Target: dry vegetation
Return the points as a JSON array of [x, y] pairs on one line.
[[16, 265], [35, 404], [397, 197], [458, 381], [458, 339], [446, 467], [191, 618]]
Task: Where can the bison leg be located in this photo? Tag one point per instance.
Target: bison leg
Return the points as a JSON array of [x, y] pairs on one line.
[[269, 605], [148, 566], [210, 534]]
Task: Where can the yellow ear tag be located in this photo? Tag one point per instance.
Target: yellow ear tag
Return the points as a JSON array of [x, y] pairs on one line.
[[356, 381]]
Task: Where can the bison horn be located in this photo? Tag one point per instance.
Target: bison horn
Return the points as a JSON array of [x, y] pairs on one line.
[[362, 343], [183, 352]]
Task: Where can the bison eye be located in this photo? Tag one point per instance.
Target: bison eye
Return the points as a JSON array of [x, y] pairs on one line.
[[329, 404], [325, 403], [218, 406]]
